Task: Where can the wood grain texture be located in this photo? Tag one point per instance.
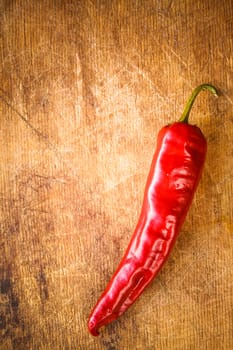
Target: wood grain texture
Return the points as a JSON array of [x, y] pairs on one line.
[[85, 88]]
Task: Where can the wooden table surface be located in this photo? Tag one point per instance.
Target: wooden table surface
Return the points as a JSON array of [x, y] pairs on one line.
[[85, 88]]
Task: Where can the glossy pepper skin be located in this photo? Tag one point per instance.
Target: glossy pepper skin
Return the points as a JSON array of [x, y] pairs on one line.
[[173, 178]]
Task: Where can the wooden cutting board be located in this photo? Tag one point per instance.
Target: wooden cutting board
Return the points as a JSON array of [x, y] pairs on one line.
[[85, 88]]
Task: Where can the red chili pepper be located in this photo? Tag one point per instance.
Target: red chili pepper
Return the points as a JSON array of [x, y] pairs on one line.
[[174, 175]]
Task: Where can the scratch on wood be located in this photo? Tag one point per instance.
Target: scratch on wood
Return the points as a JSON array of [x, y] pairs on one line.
[[168, 48], [38, 133], [145, 77], [43, 285], [123, 180], [228, 98]]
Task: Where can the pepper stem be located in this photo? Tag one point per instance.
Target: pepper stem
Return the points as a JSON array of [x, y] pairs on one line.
[[185, 115]]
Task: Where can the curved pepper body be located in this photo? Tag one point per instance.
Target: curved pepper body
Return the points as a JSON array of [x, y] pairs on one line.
[[173, 178], [174, 175]]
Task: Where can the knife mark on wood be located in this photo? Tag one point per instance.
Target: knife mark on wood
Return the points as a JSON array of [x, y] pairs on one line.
[[37, 132], [43, 285]]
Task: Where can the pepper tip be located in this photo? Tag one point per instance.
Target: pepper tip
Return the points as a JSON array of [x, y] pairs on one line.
[[93, 329]]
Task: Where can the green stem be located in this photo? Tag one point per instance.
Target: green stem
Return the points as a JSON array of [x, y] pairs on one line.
[[185, 115]]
